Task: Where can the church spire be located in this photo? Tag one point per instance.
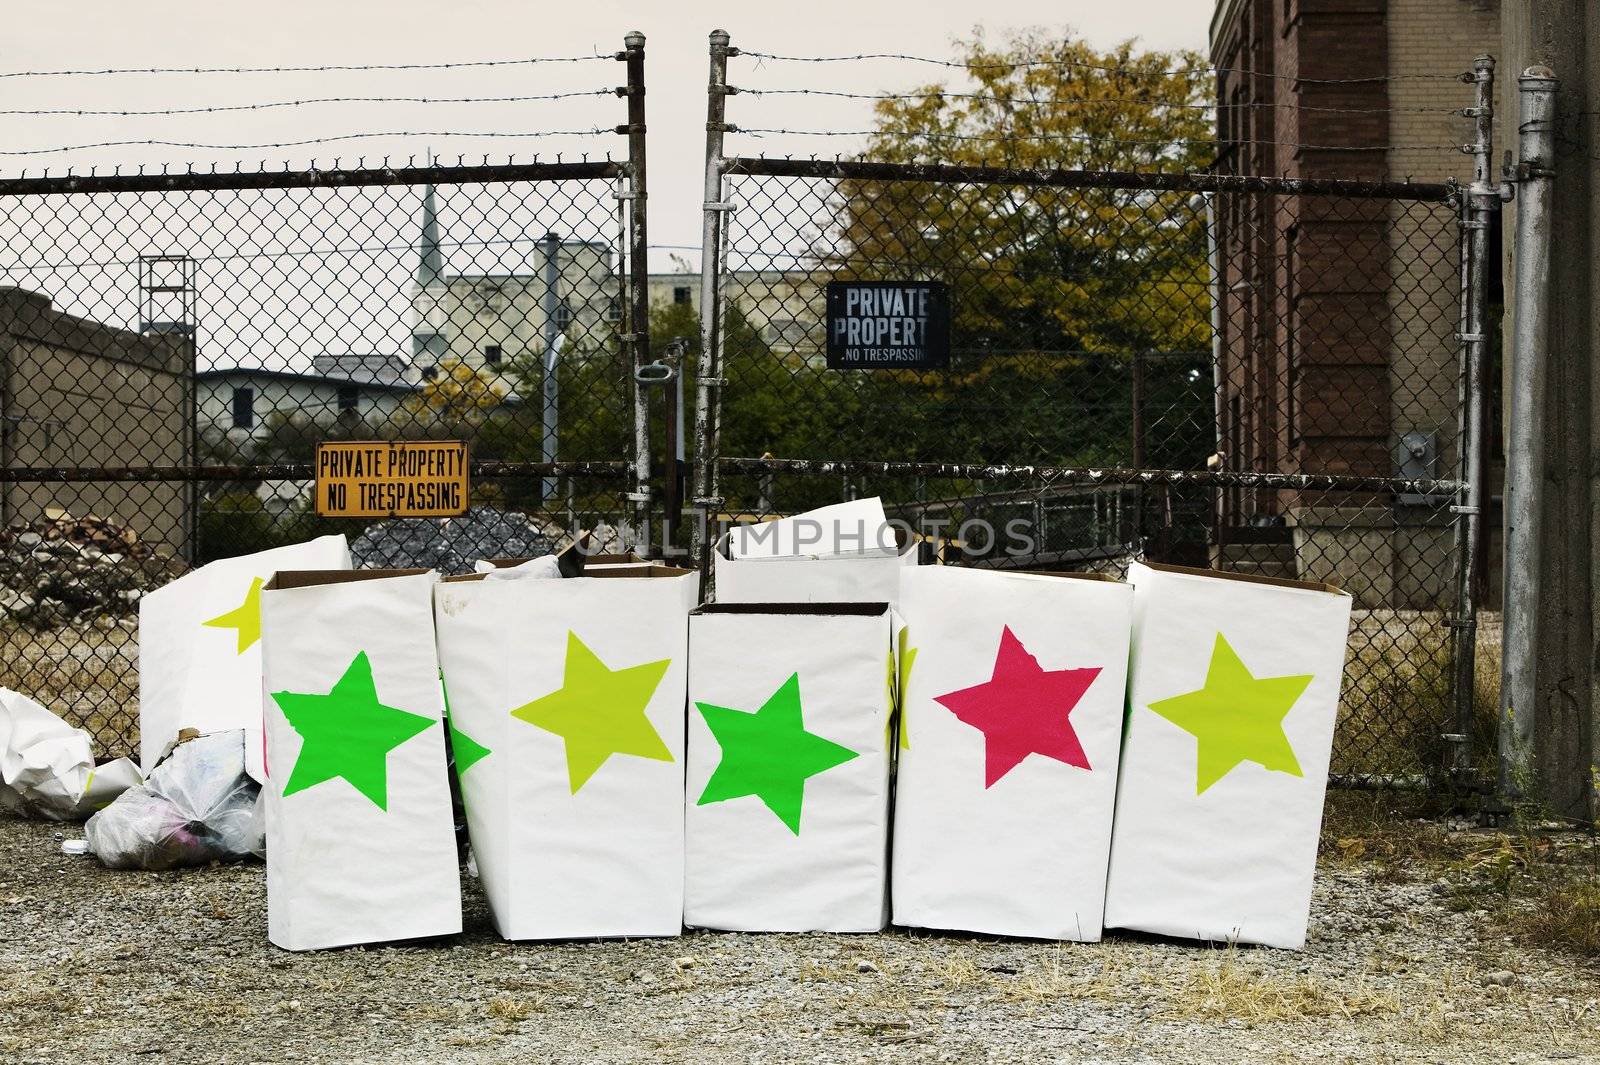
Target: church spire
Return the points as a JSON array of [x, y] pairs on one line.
[[431, 265]]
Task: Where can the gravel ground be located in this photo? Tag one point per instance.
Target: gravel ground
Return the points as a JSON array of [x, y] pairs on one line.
[[104, 966]]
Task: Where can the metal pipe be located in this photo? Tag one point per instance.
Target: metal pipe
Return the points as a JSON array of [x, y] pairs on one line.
[[1530, 346], [1481, 205], [639, 281], [1435, 192], [283, 471], [708, 395], [550, 246], [1243, 479], [190, 181]]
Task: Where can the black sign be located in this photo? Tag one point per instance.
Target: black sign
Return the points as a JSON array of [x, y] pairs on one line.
[[888, 325]]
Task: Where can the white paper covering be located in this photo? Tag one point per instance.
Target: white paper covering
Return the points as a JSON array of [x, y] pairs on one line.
[[1025, 856], [606, 860], [1234, 861], [341, 869], [746, 869], [193, 675]]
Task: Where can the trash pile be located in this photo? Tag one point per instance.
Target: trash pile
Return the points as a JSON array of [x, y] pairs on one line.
[[47, 766], [450, 545], [62, 570], [195, 807]]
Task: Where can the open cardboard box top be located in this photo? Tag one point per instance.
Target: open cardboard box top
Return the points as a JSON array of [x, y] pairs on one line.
[[1247, 578], [311, 578], [621, 572], [865, 610]]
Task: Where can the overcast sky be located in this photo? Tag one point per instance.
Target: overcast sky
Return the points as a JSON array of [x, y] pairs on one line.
[[94, 34]]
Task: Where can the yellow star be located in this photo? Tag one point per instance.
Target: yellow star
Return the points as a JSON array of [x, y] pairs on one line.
[[245, 618]]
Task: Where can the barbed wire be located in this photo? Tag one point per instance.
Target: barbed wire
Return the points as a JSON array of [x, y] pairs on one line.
[[308, 141], [316, 69], [1108, 102], [956, 64], [1090, 138], [269, 105]]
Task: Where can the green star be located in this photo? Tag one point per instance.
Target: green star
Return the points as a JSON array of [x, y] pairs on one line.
[[347, 733], [465, 751], [244, 618], [1235, 718], [599, 711], [768, 754]]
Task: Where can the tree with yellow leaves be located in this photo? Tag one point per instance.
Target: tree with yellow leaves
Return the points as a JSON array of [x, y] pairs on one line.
[[1055, 281], [458, 393]]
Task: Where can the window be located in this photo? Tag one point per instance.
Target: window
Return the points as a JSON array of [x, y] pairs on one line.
[[349, 398], [680, 294], [563, 317], [244, 408], [429, 373], [491, 354], [614, 310]]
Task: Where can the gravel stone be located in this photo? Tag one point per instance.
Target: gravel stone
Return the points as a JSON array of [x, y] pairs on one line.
[[97, 965], [451, 545]]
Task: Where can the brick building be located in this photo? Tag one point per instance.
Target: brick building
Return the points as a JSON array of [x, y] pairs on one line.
[[1337, 317]]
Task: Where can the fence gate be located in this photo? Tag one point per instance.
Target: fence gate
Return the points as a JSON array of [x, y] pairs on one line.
[[1258, 375], [173, 347]]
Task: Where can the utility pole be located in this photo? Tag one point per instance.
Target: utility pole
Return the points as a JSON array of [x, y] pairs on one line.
[[1561, 36]]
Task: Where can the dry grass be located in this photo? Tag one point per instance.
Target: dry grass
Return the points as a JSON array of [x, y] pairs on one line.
[[1229, 990], [88, 676], [507, 1008], [1565, 915]]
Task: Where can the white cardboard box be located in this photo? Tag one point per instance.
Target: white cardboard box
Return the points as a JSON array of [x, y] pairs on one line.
[[360, 839], [1233, 692], [567, 703], [199, 655], [1012, 696], [788, 767]]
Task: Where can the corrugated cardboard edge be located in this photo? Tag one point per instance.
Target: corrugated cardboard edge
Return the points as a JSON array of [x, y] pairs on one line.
[[859, 610], [1247, 578], [653, 570], [312, 578]]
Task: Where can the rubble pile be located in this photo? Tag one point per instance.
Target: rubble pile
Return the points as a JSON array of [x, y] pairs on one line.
[[450, 545], [62, 570]]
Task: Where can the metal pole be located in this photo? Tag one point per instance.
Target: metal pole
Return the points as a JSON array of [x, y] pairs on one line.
[[1482, 203], [708, 396], [550, 247], [1530, 346], [639, 283]]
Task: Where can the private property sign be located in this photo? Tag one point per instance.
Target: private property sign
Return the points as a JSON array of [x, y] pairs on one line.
[[887, 325], [392, 479]]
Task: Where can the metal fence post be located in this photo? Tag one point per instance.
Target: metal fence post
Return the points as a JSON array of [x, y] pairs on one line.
[[708, 395], [639, 286], [550, 390], [1482, 202], [1530, 344]]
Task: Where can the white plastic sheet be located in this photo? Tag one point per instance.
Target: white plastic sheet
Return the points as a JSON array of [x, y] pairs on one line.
[[47, 766]]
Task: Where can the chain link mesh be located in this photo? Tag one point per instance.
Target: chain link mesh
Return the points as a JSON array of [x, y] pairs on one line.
[[202, 327], [1127, 325]]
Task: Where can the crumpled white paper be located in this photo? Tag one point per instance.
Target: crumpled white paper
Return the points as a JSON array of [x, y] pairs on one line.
[[47, 766], [853, 528], [545, 567]]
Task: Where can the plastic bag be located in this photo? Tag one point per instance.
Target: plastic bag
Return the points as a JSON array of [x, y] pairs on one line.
[[195, 807]]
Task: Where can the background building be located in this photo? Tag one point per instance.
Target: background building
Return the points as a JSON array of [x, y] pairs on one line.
[[78, 393], [1327, 368]]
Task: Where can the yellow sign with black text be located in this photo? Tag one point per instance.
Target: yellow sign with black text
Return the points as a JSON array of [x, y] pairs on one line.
[[392, 479]]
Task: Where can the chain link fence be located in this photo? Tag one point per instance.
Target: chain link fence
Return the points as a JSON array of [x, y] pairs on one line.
[[174, 350], [1216, 329]]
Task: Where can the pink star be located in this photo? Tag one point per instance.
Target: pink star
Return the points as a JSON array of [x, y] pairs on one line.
[[1022, 710]]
